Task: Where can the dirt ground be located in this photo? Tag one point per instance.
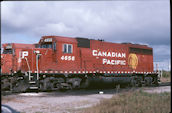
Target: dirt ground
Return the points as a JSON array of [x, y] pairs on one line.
[[163, 79], [65, 102]]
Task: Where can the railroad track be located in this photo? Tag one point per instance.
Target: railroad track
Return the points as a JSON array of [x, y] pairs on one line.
[[86, 91], [165, 84]]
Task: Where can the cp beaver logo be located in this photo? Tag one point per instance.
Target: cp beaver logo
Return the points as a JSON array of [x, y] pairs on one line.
[[132, 61]]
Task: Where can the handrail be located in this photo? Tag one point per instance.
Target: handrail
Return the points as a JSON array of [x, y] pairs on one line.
[[28, 66]]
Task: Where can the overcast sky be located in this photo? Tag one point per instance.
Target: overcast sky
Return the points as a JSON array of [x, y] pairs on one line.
[[143, 22]]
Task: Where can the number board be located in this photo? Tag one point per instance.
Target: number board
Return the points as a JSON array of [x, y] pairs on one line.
[[48, 40]]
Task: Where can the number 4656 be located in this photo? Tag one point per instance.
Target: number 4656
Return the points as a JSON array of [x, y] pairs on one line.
[[68, 58]]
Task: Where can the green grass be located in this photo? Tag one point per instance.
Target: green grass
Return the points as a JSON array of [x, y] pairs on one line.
[[166, 74], [133, 102]]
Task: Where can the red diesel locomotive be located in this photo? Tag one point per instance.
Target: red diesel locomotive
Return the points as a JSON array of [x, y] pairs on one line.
[[58, 62]]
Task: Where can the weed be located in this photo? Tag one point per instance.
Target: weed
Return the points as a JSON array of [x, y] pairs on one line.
[[133, 102]]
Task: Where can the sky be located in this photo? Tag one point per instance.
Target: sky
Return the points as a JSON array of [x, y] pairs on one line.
[[142, 22]]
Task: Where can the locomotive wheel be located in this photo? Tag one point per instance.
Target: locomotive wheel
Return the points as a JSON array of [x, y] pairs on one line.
[[74, 82], [43, 84], [148, 81], [20, 86], [41, 87], [51, 83], [56, 83], [135, 81], [65, 86], [155, 81], [5, 84], [57, 86], [85, 83]]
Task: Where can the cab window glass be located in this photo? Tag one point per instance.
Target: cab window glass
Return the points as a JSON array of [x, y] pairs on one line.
[[46, 46], [37, 46], [7, 51], [65, 48], [69, 48]]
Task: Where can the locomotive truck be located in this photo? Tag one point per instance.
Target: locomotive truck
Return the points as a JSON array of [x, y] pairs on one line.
[[57, 62]]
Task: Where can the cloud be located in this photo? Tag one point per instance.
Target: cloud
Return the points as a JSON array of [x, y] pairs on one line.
[[106, 19], [161, 52]]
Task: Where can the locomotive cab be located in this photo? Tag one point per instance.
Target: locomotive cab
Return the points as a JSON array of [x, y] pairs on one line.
[[47, 43], [8, 49], [6, 59]]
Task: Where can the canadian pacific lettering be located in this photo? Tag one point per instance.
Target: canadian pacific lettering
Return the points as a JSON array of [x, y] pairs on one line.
[[112, 55], [108, 54], [114, 62]]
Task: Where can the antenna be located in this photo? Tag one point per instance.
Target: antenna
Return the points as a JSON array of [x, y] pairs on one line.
[[169, 65], [156, 67]]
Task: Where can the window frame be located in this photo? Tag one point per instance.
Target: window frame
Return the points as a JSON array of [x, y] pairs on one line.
[[67, 46]]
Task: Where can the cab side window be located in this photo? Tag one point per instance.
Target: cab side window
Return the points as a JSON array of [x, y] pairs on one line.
[[67, 48], [54, 46]]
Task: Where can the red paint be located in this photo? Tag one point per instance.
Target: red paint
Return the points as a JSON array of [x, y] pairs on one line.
[[83, 59]]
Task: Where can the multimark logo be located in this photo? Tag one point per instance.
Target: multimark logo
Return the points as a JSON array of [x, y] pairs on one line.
[[132, 61]]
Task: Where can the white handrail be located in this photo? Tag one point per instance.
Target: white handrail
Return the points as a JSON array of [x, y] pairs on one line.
[[28, 66], [37, 66]]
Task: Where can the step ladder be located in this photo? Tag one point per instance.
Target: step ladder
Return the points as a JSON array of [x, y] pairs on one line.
[[33, 82]]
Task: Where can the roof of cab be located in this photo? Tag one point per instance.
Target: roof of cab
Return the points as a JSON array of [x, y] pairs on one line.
[[19, 45]]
